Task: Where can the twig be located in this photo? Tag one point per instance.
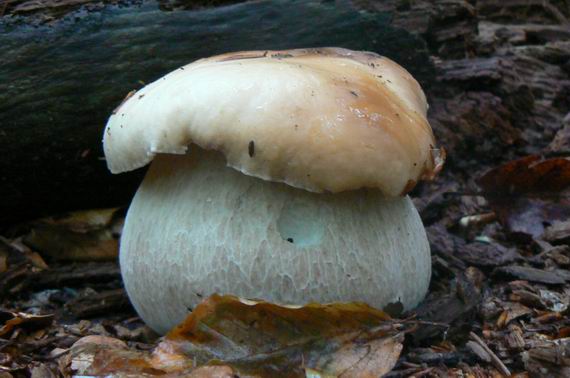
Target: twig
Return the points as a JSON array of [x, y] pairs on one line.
[[412, 365], [412, 319], [496, 360]]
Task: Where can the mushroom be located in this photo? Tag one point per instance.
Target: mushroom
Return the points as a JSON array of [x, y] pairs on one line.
[[275, 175]]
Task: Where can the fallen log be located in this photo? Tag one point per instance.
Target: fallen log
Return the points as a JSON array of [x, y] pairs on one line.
[[60, 82]]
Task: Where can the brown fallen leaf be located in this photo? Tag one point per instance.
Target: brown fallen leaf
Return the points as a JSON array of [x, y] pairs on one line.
[[563, 333], [511, 312], [91, 235], [227, 335], [13, 320], [83, 351], [15, 252], [372, 359], [530, 174], [548, 317], [528, 193], [99, 340], [42, 371]]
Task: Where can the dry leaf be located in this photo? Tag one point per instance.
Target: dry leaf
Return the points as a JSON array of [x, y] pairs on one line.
[[15, 252], [371, 359], [13, 320], [258, 339], [91, 235], [529, 175], [511, 312], [529, 192], [83, 351], [42, 371], [100, 340]]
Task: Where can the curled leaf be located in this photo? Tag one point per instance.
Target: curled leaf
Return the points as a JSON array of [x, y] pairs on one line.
[[263, 339]]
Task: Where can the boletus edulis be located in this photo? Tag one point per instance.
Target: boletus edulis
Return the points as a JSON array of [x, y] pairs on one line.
[[275, 175]]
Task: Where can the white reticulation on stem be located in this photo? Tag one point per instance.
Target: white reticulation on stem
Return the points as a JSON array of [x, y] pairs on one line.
[[197, 227]]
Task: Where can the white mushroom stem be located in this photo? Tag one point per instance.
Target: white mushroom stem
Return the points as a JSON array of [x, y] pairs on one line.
[[197, 227]]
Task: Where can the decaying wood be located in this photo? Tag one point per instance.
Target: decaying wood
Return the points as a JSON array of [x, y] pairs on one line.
[[102, 303], [529, 274], [24, 278], [539, 10], [504, 74], [460, 305], [549, 359], [69, 275]]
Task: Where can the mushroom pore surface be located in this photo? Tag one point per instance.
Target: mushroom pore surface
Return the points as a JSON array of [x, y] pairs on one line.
[[197, 227]]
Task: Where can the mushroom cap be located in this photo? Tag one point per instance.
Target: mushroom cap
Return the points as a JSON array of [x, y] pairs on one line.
[[327, 119]]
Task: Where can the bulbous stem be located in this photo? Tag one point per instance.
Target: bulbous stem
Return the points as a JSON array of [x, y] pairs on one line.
[[197, 227]]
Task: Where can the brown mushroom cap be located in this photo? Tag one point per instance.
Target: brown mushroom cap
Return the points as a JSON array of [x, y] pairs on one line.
[[325, 119]]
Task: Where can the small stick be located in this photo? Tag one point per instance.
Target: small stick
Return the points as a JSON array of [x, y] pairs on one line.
[[496, 361]]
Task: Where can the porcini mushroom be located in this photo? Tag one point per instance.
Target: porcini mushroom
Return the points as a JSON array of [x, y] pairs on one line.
[[277, 175]]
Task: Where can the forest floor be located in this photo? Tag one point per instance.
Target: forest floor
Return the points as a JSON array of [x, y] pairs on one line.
[[497, 217]]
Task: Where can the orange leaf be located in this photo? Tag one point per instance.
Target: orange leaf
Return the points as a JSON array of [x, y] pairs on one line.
[[263, 339]]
